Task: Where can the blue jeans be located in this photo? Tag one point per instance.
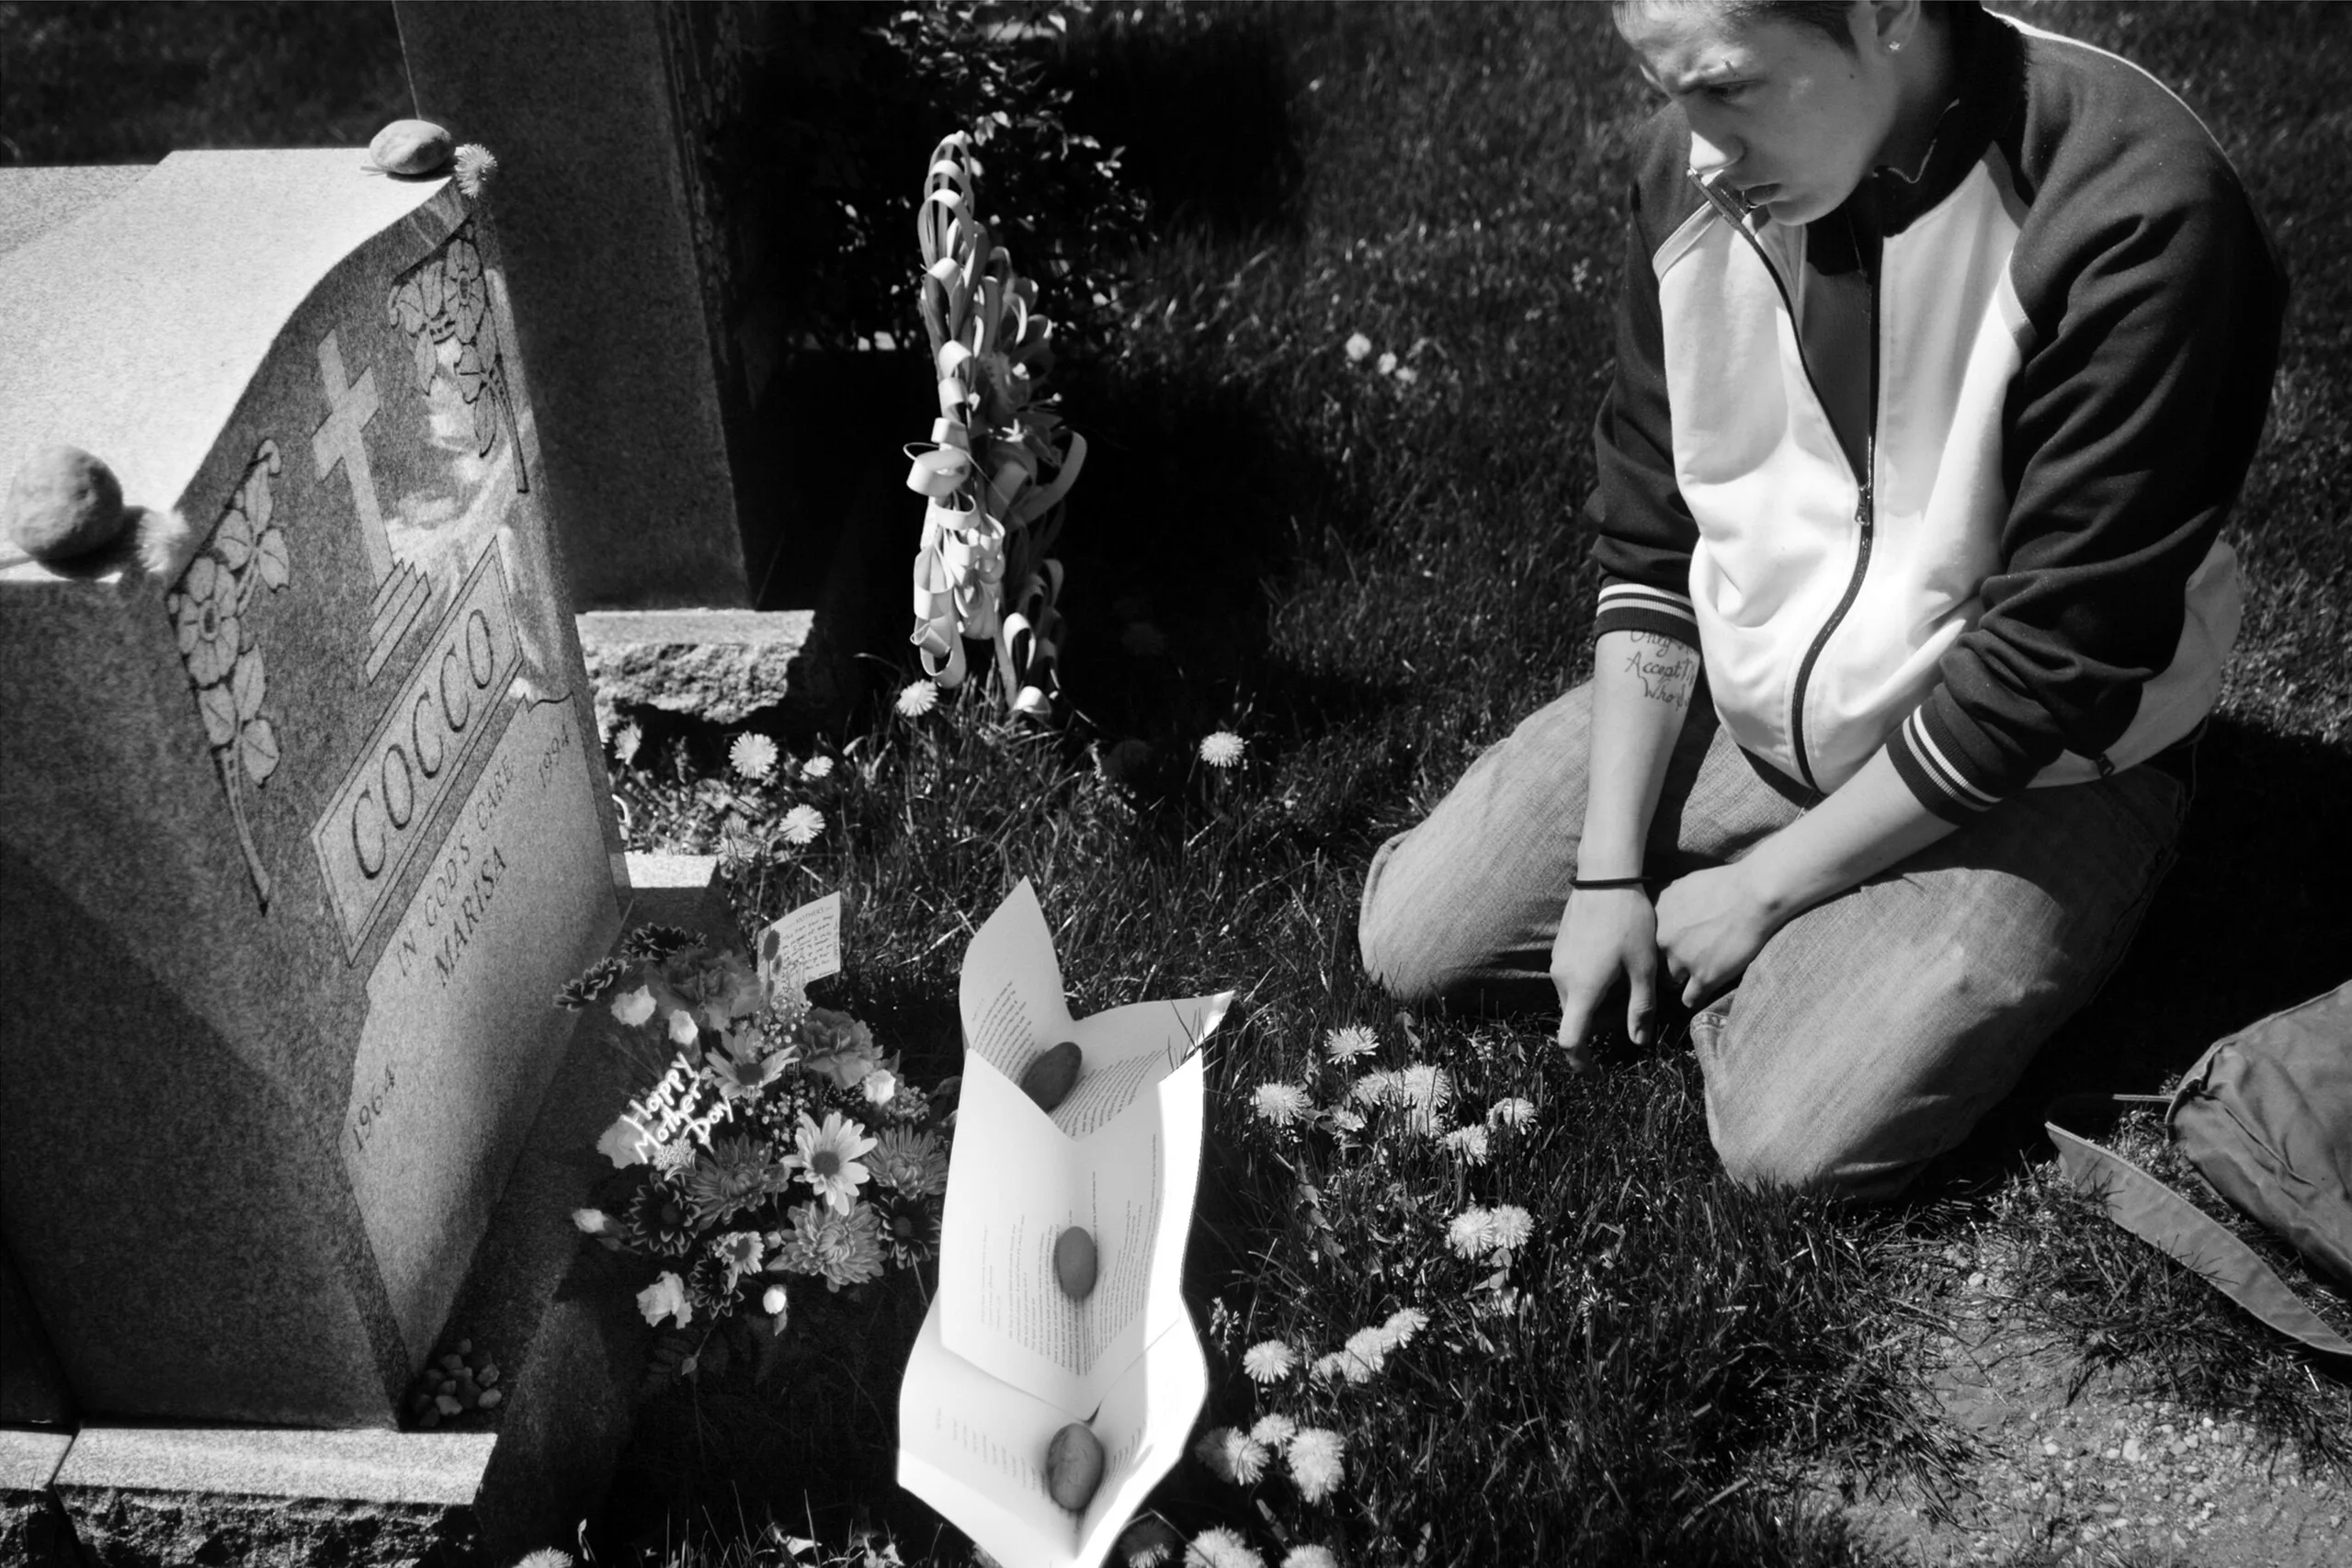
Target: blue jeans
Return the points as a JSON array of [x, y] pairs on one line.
[[1872, 1031]]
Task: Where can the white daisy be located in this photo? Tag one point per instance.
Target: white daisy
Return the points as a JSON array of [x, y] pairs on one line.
[[1220, 1548], [1512, 1112], [1281, 1103], [828, 1158], [1317, 1457], [1468, 1141], [1222, 748], [1269, 1362], [754, 756], [916, 699], [801, 824], [1344, 1045], [817, 767]]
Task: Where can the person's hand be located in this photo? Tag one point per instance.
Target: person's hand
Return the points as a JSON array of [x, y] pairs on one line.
[[1603, 934], [1711, 926]]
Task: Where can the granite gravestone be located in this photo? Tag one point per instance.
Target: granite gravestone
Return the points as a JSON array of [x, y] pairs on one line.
[[302, 819]]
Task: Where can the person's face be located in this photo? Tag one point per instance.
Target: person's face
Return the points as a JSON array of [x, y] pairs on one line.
[[1794, 122]]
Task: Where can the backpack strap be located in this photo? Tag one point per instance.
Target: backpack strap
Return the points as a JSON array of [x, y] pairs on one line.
[[2170, 1223]]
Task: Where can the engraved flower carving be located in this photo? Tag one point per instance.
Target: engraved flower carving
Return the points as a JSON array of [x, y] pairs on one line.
[[206, 612]]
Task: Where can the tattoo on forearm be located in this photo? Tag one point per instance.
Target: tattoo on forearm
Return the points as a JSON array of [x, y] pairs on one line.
[[1667, 669]]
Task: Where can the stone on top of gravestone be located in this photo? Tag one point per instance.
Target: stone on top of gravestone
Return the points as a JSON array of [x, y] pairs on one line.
[[301, 819]]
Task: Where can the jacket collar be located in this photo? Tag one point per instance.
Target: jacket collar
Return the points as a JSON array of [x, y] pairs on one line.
[[1989, 65]]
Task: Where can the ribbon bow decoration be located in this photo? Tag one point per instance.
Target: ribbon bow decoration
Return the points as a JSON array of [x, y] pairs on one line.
[[998, 465]]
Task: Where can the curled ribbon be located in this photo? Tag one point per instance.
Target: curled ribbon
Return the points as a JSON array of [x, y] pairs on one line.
[[998, 463]]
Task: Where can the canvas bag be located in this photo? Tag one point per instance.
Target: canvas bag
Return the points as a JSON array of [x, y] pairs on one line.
[[2266, 1116]]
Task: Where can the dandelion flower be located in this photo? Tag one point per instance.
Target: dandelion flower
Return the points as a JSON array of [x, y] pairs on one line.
[[1274, 1430], [1269, 1362], [917, 698], [1222, 748], [1406, 375], [1366, 1352], [1344, 1045], [1468, 1141], [1220, 1548], [828, 1158], [1359, 346], [817, 767], [1424, 1087], [754, 756], [1281, 1103], [1512, 1227], [1386, 365], [1310, 1557], [625, 741], [1471, 1233], [1512, 1112], [1317, 1463], [666, 1298], [546, 1556], [1214, 1449], [1247, 1456], [1345, 1120], [1404, 1323], [1375, 1088], [474, 167], [801, 824]]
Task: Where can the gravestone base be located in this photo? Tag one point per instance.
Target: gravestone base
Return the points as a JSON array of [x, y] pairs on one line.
[[562, 1328]]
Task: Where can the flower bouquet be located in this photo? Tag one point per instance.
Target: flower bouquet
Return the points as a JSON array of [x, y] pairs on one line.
[[780, 1143]]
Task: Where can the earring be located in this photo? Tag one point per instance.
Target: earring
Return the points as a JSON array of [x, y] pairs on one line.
[[1895, 48]]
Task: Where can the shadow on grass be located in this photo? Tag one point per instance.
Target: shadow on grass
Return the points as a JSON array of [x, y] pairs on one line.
[[1200, 101]]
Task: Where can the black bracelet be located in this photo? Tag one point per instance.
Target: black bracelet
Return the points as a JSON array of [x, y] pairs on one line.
[[1602, 884]]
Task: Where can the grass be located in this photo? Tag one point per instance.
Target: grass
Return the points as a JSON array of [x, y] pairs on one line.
[[1369, 576]]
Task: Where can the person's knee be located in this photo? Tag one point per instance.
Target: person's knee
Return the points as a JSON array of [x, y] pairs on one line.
[[1766, 1145], [1399, 952]]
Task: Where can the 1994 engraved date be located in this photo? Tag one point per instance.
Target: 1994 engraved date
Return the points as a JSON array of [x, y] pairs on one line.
[[1666, 668]]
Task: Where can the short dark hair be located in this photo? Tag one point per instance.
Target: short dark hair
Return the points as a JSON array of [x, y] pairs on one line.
[[1834, 20]]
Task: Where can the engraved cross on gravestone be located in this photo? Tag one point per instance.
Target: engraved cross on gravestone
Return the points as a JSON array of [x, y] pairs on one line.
[[402, 591]]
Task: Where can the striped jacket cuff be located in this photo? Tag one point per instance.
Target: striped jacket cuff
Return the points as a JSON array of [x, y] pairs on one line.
[[1930, 760], [1637, 606]]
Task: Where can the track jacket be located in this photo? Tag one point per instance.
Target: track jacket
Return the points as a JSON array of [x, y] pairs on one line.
[[2019, 580]]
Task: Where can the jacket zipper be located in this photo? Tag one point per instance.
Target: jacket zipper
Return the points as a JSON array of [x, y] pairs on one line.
[[1865, 513]]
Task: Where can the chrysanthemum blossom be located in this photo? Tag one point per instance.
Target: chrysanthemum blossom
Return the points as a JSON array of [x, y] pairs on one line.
[[828, 1158], [1511, 1112], [1220, 1548], [1274, 1430], [1471, 1233], [1269, 1361], [666, 1298], [817, 767], [801, 824], [917, 698], [1222, 748], [1310, 1556], [1318, 1462], [1469, 1142], [1347, 1044], [1359, 346], [753, 756], [1281, 1103]]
